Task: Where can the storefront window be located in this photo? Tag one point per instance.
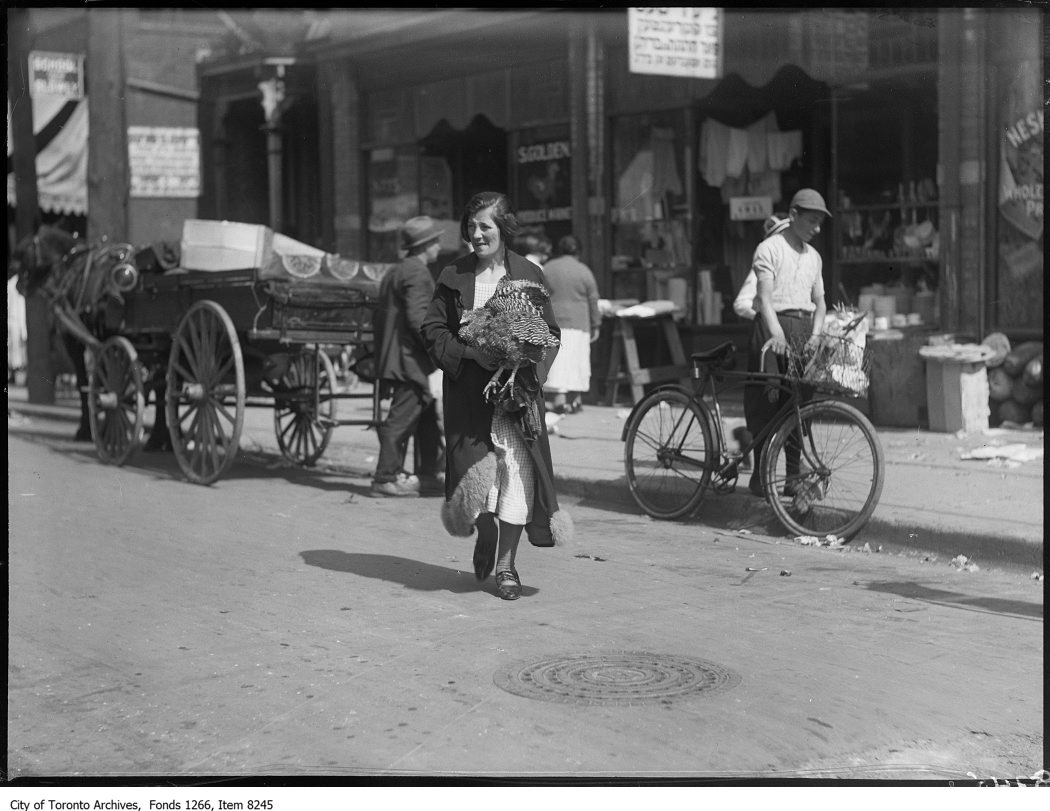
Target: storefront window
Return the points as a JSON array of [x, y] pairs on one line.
[[393, 185], [543, 181], [886, 224], [651, 240]]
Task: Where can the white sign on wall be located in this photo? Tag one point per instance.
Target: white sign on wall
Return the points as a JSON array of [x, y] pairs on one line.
[[56, 74], [676, 41], [164, 161], [750, 208]]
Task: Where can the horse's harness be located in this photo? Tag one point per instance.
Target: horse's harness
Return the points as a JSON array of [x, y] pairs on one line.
[[57, 286]]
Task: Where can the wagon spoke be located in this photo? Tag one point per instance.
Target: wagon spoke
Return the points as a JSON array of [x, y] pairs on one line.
[[193, 349], [181, 371], [222, 371], [220, 408], [204, 448], [285, 428], [194, 413], [187, 353]]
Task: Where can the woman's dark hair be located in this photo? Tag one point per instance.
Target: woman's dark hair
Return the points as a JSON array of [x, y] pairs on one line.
[[568, 246], [502, 214]]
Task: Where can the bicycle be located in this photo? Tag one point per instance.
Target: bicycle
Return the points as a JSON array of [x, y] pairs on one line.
[[828, 483]]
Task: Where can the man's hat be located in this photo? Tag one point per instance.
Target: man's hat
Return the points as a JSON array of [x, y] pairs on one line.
[[774, 224], [419, 230], [809, 200]]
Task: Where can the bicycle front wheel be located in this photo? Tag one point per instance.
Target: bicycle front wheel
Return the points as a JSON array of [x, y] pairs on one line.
[[667, 454], [825, 478]]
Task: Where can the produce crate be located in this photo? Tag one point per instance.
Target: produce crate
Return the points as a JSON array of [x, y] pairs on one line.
[[213, 245]]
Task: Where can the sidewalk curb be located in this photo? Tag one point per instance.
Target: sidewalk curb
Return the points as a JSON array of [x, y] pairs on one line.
[[720, 511]]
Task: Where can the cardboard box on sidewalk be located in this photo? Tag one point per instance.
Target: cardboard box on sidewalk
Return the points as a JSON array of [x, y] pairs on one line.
[[224, 245], [957, 387], [957, 395]]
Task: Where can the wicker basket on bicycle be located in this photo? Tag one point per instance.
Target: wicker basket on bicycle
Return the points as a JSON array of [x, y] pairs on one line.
[[839, 365]]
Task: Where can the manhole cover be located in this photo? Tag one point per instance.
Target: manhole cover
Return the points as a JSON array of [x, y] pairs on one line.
[[621, 677]]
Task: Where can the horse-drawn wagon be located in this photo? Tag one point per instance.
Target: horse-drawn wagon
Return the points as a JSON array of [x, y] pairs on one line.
[[209, 344]]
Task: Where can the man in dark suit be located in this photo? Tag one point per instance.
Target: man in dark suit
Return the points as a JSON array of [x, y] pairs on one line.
[[403, 364]]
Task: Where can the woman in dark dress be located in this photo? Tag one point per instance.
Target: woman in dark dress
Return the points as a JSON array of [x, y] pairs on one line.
[[497, 479]]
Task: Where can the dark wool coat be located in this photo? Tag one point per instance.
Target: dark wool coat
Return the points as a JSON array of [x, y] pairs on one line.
[[404, 296], [470, 462]]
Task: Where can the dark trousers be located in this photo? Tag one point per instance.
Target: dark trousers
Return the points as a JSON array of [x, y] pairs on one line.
[[412, 415], [758, 410]]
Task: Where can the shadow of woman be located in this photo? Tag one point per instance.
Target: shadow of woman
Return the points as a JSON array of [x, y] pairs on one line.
[[412, 574]]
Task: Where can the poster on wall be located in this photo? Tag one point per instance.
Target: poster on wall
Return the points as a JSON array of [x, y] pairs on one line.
[[1019, 293], [543, 182], [1021, 173], [56, 74], [673, 41], [164, 161]]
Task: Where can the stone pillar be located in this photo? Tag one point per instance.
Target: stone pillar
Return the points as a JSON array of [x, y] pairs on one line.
[[275, 102], [962, 147], [40, 378], [347, 192], [108, 144], [587, 138]]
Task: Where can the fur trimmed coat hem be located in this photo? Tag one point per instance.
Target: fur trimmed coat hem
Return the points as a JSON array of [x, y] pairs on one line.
[[459, 514]]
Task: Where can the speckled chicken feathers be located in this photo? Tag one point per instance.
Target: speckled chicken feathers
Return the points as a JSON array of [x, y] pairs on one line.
[[510, 325]]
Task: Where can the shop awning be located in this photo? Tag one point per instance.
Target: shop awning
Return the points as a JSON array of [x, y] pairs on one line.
[[60, 131]]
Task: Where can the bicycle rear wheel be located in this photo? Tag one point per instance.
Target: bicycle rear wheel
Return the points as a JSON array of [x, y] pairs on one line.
[[667, 454], [830, 482]]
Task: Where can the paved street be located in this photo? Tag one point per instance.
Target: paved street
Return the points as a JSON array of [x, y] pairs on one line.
[[282, 622]]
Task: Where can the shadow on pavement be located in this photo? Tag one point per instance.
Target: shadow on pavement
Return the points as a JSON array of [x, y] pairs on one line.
[[954, 599], [411, 574]]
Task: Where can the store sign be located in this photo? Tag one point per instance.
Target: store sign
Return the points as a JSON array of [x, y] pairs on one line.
[[56, 74], [1021, 173], [544, 192], [675, 41], [164, 161], [750, 208]]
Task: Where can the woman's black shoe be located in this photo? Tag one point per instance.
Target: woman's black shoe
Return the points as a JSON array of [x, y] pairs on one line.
[[484, 557], [508, 586]]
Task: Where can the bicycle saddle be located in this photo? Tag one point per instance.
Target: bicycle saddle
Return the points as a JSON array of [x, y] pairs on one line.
[[723, 353]]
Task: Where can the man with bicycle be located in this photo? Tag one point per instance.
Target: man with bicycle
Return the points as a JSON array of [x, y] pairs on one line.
[[790, 308]]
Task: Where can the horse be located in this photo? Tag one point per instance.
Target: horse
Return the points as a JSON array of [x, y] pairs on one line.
[[83, 285]]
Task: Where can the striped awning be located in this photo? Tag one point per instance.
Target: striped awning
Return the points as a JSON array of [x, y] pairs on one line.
[[60, 132]]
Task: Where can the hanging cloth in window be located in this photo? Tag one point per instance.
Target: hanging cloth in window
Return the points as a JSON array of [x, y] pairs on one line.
[[714, 148], [736, 154], [784, 149], [635, 188], [665, 169], [757, 148]]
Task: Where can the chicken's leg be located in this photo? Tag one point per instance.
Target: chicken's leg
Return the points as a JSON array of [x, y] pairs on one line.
[[509, 385], [493, 384]]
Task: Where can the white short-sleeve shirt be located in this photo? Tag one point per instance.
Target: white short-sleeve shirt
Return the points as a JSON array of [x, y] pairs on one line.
[[796, 277]]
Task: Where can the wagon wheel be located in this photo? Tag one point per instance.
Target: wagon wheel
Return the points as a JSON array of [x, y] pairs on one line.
[[116, 401], [205, 392], [304, 411]]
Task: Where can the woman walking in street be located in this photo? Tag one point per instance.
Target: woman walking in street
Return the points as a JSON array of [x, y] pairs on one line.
[[496, 479], [574, 294]]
